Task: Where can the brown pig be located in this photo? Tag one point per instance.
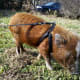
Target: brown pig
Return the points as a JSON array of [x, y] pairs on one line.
[[65, 44]]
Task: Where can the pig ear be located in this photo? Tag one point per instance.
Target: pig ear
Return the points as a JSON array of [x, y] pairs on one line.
[[59, 40]]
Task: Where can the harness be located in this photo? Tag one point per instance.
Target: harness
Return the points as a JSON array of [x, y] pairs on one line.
[[47, 34]]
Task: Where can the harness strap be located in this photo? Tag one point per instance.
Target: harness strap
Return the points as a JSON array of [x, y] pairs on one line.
[[47, 33], [33, 24], [50, 43]]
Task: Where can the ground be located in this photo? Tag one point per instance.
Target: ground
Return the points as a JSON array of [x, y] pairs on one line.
[[26, 66]]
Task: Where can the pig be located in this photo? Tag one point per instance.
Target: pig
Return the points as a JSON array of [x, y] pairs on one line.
[[65, 44]]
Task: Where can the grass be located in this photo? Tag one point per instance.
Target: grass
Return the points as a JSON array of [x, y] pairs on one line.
[[37, 70], [5, 35]]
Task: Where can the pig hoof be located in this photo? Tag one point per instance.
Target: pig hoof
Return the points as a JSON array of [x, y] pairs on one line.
[[38, 57], [49, 66]]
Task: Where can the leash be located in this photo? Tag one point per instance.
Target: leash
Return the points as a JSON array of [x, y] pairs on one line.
[[33, 24]]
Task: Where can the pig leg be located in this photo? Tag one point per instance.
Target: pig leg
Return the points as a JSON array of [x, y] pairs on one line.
[[22, 48], [48, 64], [43, 49], [18, 48], [47, 59], [16, 39]]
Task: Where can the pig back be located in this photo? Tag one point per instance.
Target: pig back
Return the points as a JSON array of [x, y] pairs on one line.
[[29, 34]]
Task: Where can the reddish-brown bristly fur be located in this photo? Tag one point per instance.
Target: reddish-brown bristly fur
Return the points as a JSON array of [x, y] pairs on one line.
[[64, 53], [27, 34]]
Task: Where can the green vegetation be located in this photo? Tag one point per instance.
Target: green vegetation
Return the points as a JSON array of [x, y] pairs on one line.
[[6, 40], [27, 67]]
